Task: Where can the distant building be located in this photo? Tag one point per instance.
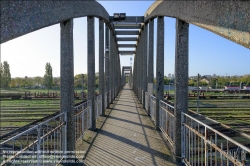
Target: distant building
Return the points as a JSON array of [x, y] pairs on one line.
[[169, 75], [172, 75]]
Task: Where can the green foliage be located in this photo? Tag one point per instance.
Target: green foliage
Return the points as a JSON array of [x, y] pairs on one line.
[[48, 77], [5, 75]]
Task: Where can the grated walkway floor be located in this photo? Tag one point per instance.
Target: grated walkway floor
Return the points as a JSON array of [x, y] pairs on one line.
[[126, 136]]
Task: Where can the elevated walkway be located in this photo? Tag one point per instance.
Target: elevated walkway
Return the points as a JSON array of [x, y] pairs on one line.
[[125, 137]]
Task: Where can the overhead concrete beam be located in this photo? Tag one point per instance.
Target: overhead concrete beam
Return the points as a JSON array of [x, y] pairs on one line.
[[126, 45], [227, 19], [134, 19], [126, 52], [127, 26], [126, 38], [21, 17], [127, 32]]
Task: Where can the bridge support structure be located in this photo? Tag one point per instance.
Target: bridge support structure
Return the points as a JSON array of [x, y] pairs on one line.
[[67, 84]]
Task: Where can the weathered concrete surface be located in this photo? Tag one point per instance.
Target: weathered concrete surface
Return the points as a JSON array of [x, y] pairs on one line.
[[101, 61], [91, 66], [145, 57], [150, 80], [67, 81], [21, 17], [126, 137], [159, 66], [129, 32], [229, 19], [107, 73], [181, 81]]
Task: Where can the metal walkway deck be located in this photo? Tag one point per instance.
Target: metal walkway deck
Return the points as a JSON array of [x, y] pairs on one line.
[[125, 137]]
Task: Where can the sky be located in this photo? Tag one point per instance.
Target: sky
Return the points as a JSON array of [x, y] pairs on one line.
[[208, 53]]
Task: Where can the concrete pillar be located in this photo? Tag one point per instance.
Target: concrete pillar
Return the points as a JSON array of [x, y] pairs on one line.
[[181, 82], [91, 66], [67, 83], [159, 66], [145, 55], [139, 69], [151, 60], [111, 53], [107, 74], [101, 62]]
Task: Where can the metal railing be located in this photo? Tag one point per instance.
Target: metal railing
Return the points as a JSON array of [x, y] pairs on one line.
[[106, 100], [44, 140], [203, 145], [152, 106], [35, 143], [146, 101], [98, 106], [166, 121], [142, 96], [110, 96], [83, 119]]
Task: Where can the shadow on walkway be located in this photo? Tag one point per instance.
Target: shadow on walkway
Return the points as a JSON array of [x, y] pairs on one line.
[[126, 136]]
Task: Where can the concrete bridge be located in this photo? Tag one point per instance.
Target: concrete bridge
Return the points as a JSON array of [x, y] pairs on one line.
[[190, 141]]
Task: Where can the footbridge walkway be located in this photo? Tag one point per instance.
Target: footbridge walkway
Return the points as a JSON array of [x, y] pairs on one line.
[[113, 128], [126, 136]]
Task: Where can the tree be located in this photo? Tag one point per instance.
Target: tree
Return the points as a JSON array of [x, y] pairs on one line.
[[48, 78], [5, 75], [38, 80]]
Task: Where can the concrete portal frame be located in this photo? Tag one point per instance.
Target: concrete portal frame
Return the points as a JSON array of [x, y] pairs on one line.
[[125, 68]]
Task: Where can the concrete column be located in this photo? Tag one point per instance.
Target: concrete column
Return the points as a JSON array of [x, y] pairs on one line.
[[101, 62], [91, 66], [107, 74], [111, 53], [159, 66], [145, 66], [67, 83], [139, 68], [181, 82], [151, 60]]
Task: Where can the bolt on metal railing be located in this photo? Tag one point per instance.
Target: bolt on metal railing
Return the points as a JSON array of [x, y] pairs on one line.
[[166, 121], [204, 145]]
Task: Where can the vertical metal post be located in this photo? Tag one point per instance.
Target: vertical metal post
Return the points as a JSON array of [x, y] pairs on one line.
[[159, 67], [198, 92], [107, 73], [145, 65], [150, 81], [181, 82], [101, 62], [91, 66], [67, 84]]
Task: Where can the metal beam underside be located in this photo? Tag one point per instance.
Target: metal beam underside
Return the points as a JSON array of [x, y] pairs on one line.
[[126, 38], [127, 32], [134, 19], [126, 45], [127, 26], [126, 52]]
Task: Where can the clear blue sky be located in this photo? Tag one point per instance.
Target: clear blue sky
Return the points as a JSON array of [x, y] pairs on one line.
[[208, 53]]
